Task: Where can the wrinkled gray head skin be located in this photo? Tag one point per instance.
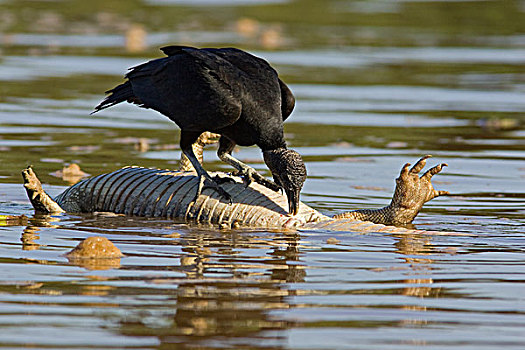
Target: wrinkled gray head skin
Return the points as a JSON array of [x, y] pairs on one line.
[[288, 172]]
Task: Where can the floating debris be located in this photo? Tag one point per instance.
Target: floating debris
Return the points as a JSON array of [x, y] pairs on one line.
[[272, 38], [95, 247], [136, 38], [396, 144], [268, 36], [332, 240], [495, 124], [83, 149], [247, 27], [369, 188], [166, 147], [172, 235], [142, 144], [95, 253], [71, 173], [342, 144], [52, 160]]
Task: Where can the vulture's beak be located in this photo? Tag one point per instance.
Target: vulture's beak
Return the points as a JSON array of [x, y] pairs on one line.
[[293, 200]]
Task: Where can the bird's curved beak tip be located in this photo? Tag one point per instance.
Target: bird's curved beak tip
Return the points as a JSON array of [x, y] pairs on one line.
[[293, 202]]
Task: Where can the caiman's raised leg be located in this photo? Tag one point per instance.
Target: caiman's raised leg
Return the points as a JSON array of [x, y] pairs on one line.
[[411, 193], [205, 180], [248, 173], [38, 197], [206, 138]]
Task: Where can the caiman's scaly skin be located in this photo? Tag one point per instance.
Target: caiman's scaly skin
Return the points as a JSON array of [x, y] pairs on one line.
[[164, 193]]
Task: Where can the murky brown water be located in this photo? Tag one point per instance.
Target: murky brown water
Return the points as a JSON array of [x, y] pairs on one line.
[[378, 83]]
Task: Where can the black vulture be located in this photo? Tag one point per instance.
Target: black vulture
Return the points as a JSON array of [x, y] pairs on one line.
[[226, 91]]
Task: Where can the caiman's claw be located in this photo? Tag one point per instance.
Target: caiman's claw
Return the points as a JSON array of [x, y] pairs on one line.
[[428, 176], [433, 171], [420, 164], [31, 182]]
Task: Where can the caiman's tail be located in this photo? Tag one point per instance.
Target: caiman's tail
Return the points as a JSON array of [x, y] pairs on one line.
[[121, 93]]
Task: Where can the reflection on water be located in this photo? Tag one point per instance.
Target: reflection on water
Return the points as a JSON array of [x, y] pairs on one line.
[[378, 84], [249, 288]]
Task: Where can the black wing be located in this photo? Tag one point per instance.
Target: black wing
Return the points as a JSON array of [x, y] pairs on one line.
[[194, 88], [131, 91], [287, 100], [255, 67]]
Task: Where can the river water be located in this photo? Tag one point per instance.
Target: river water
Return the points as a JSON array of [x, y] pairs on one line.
[[378, 84]]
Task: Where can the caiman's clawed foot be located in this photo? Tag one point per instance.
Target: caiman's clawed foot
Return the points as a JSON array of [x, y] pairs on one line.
[[31, 182], [38, 197], [412, 191], [249, 175], [207, 182]]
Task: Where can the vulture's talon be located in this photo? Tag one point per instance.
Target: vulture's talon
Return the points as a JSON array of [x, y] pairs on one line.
[[206, 182], [250, 175], [223, 180]]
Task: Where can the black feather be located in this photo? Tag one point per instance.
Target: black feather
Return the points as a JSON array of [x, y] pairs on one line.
[[174, 49], [120, 93]]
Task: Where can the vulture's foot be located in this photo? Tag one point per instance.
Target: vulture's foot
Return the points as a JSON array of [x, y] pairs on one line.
[[223, 180], [249, 175], [208, 182]]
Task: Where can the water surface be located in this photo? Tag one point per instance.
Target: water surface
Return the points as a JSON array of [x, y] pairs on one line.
[[378, 84]]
